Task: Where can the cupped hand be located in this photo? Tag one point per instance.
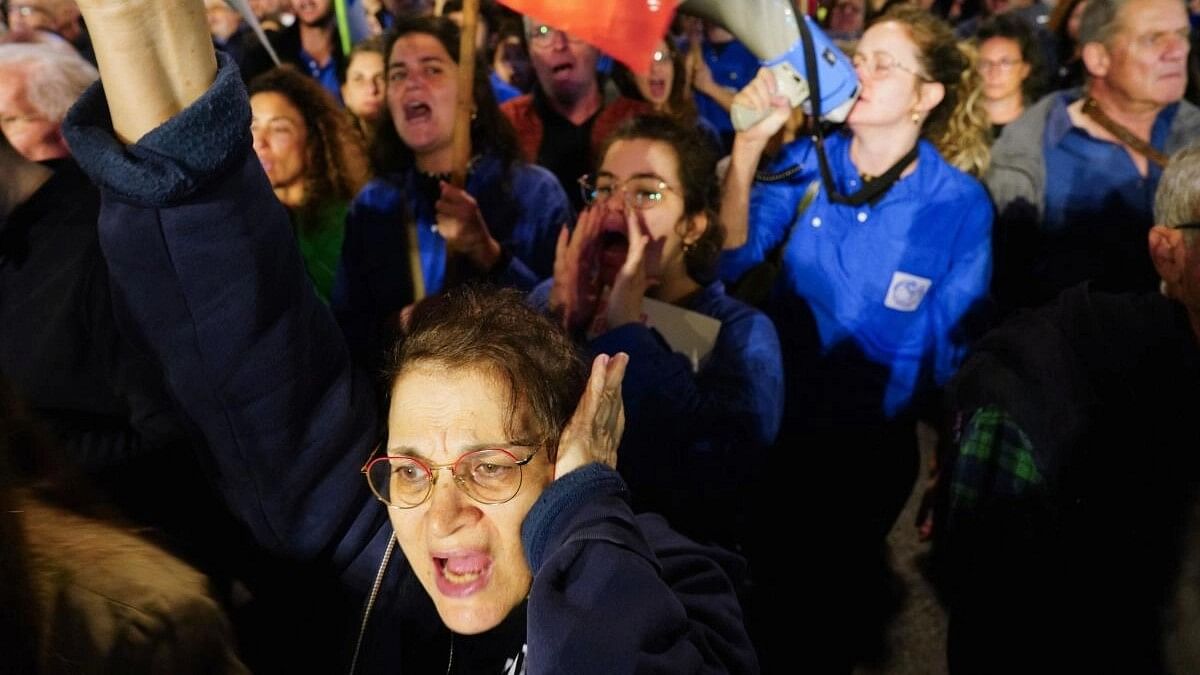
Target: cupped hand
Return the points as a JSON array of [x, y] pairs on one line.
[[461, 224], [632, 281], [576, 287], [595, 429]]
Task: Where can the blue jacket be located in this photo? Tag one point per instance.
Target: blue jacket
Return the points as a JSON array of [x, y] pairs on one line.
[[523, 205], [871, 301], [696, 442], [202, 258]]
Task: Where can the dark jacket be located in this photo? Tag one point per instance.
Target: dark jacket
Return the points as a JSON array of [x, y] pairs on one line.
[[1076, 544], [205, 259], [696, 441], [524, 208], [59, 341], [255, 60]]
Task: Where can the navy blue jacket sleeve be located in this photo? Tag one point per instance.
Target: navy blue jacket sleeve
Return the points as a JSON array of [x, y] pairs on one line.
[[544, 209], [203, 260], [720, 420], [615, 593]]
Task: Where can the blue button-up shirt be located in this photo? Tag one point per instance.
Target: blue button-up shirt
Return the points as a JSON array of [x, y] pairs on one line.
[[732, 67], [327, 74], [1098, 207], [871, 301]]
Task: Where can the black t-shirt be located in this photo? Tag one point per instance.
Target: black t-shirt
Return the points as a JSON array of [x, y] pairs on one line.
[[566, 147]]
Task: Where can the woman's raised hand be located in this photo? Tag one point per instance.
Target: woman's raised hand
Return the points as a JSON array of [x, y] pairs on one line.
[[632, 281], [156, 58], [762, 95], [461, 224], [576, 287], [595, 429]]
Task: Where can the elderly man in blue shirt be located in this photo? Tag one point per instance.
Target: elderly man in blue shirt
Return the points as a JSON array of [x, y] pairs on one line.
[[1073, 179]]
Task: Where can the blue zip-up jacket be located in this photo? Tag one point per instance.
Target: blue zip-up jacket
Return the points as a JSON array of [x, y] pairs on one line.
[[523, 205], [696, 442], [871, 300], [203, 262]]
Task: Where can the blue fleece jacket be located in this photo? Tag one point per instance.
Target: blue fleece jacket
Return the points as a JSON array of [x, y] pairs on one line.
[[202, 258], [696, 442], [524, 208]]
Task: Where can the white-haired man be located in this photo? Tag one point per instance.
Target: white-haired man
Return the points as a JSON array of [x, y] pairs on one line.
[[38, 84]]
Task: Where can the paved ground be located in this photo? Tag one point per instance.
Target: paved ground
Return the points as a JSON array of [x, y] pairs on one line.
[[917, 637]]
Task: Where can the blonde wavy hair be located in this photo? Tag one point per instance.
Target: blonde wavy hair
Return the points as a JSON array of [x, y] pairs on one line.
[[967, 138], [959, 125]]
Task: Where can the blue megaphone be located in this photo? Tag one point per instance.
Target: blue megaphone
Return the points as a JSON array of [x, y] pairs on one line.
[[770, 31]]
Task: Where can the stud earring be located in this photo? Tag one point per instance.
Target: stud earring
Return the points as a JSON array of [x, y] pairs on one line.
[[916, 117]]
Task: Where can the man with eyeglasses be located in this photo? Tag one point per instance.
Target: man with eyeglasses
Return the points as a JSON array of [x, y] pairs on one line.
[[1073, 178], [566, 117], [1077, 470]]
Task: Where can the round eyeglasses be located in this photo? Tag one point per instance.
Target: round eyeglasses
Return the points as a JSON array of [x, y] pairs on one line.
[[543, 37], [880, 64], [1001, 65], [489, 476], [640, 192]]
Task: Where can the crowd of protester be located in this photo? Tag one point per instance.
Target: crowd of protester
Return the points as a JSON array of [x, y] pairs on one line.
[[250, 311]]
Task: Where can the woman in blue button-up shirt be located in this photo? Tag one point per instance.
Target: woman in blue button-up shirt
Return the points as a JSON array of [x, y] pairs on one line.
[[875, 291]]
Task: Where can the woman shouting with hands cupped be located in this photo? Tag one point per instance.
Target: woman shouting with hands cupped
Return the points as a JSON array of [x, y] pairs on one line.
[[651, 233]]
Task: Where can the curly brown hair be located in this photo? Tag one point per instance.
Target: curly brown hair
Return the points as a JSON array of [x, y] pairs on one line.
[[337, 160]]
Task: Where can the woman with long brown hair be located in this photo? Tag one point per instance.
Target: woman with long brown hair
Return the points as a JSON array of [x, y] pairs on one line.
[[314, 159]]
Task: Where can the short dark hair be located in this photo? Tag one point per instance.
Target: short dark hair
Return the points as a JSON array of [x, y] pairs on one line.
[[696, 164], [494, 330], [1013, 27]]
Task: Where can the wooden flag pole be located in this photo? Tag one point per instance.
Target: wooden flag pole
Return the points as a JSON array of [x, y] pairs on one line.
[[466, 98]]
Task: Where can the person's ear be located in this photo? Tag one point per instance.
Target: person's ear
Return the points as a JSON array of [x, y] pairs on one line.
[[1166, 252], [1096, 59], [930, 94], [694, 228]]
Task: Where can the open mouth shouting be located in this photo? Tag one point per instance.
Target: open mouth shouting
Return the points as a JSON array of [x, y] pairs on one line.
[[561, 72], [416, 112], [462, 573], [658, 88]]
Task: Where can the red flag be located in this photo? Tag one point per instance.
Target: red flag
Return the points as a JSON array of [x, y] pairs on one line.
[[627, 30]]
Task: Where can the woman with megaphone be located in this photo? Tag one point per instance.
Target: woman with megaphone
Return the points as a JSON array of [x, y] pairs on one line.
[[885, 251]]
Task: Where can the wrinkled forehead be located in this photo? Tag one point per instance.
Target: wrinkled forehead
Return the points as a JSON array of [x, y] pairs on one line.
[[1140, 17]]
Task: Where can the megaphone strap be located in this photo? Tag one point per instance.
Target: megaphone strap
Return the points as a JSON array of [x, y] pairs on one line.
[[873, 190]]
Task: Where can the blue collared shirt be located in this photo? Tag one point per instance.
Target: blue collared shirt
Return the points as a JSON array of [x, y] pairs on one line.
[[326, 74], [732, 66], [872, 300], [1098, 207]]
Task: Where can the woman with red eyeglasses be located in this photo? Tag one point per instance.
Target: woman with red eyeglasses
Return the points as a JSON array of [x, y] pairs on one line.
[[518, 551]]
